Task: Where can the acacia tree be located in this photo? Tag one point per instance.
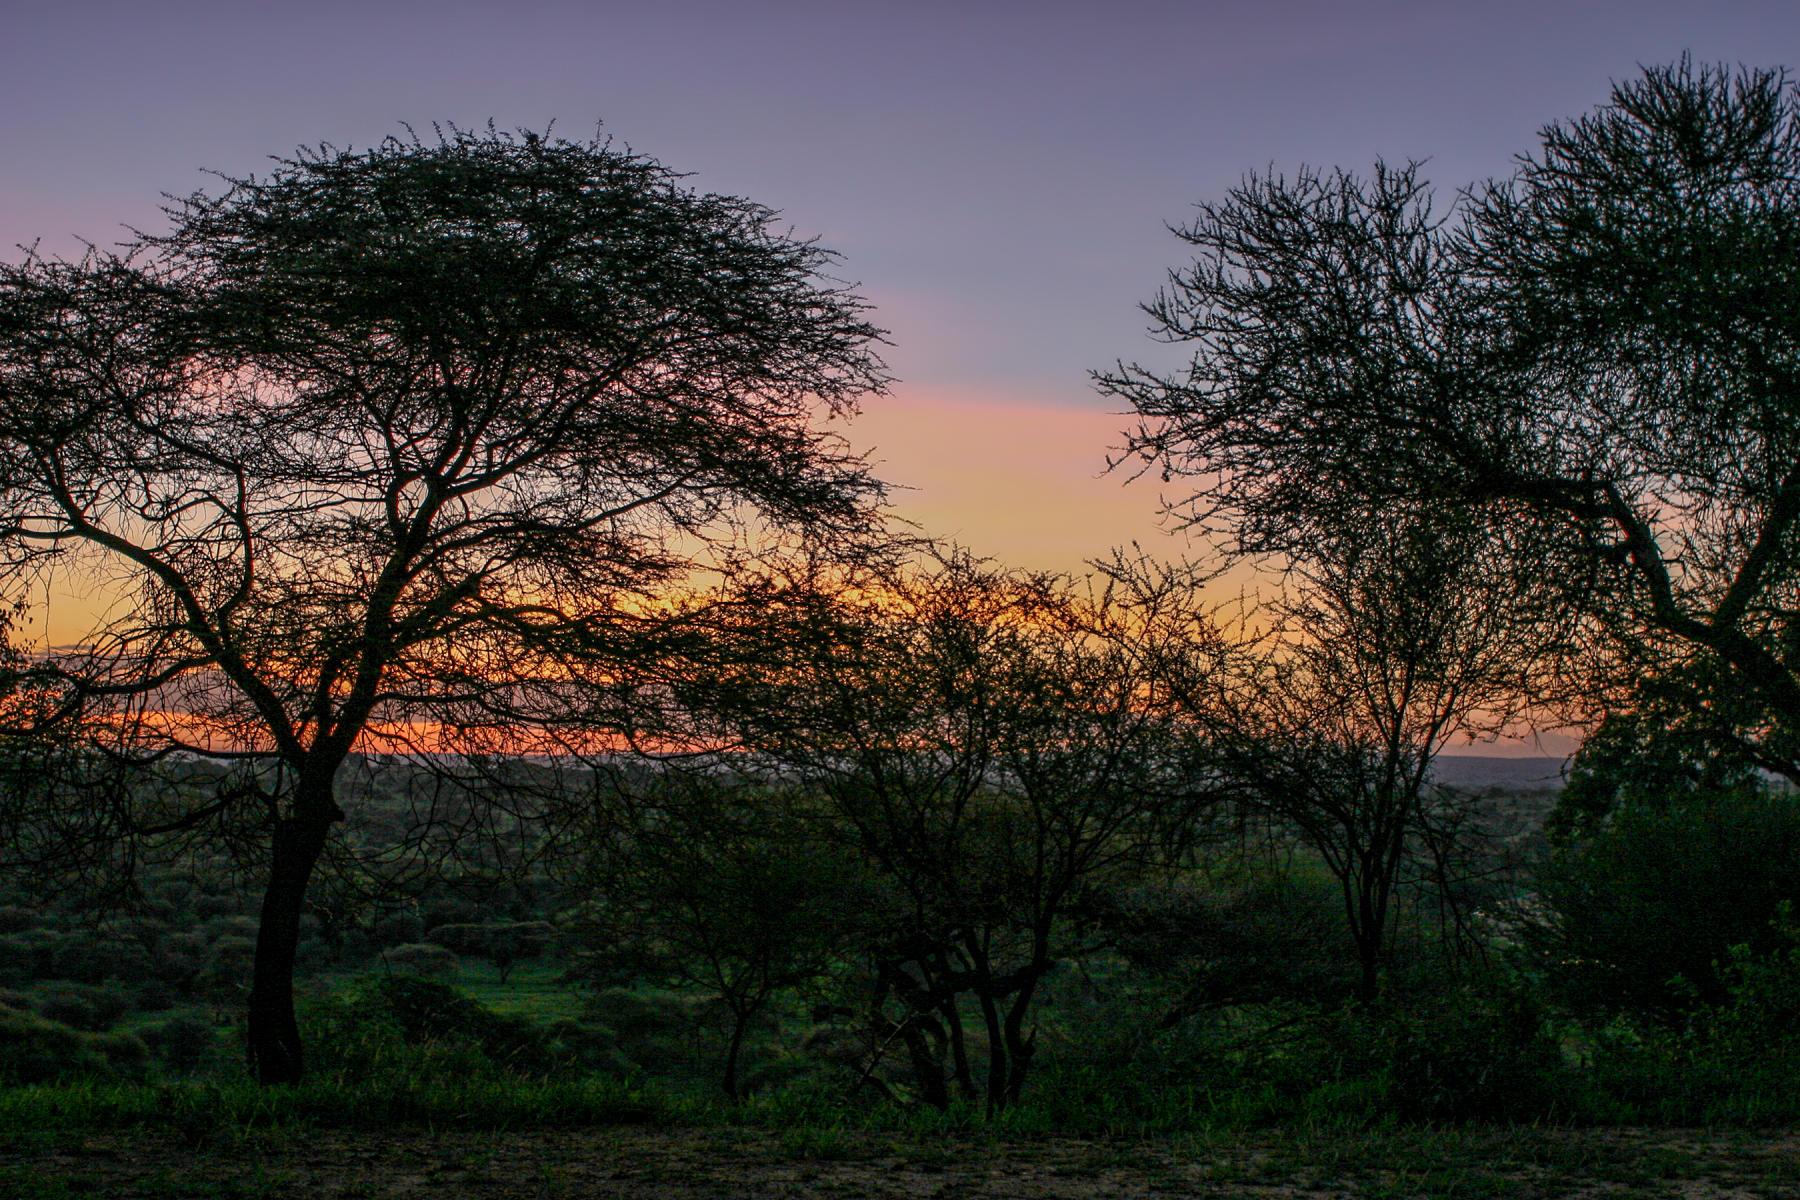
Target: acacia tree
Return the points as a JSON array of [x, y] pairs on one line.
[[1644, 273], [1402, 635], [991, 745], [389, 448], [1603, 351]]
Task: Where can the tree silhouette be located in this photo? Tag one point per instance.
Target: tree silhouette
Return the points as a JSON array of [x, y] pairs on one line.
[[1401, 636], [391, 449], [993, 747], [1601, 350]]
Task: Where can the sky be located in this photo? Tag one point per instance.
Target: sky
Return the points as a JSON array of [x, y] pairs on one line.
[[998, 178]]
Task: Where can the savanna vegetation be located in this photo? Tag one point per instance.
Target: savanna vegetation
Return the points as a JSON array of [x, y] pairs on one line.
[[517, 715]]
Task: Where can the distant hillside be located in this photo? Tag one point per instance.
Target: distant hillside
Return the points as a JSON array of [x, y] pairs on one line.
[[1478, 771]]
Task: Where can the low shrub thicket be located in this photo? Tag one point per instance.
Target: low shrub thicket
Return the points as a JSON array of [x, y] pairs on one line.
[[413, 1051], [413, 1028], [1180, 1027], [37, 1049]]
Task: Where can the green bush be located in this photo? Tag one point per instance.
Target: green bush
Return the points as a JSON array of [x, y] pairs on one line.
[[421, 958], [35, 1049], [87, 1007], [420, 1027], [1264, 939], [84, 958], [152, 995], [1452, 1056], [236, 926], [516, 939], [181, 1044], [1764, 989], [25, 956], [673, 1033], [1474, 1049], [1643, 915]]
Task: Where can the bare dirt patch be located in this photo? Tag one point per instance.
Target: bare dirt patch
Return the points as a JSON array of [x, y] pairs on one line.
[[682, 1164]]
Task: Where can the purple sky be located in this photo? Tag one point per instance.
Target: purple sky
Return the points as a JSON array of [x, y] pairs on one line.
[[996, 175]]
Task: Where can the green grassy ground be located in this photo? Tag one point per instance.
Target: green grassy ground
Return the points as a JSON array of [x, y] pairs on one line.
[[533, 989]]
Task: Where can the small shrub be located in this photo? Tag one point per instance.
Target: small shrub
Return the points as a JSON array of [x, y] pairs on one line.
[[181, 1044], [1461, 1056], [208, 905], [503, 943], [586, 1049], [25, 956], [1764, 989], [224, 975], [153, 995], [80, 1006], [419, 1026], [235, 926], [400, 927], [671, 1031], [94, 960], [35, 1049], [422, 959]]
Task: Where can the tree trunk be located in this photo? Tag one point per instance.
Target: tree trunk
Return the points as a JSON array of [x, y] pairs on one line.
[[740, 1025], [924, 1038], [274, 1041], [1368, 932], [996, 1073], [963, 1075], [1021, 1047], [917, 1028], [1368, 978]]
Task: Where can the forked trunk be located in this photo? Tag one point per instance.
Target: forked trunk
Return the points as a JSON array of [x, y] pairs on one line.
[[996, 1072], [274, 1036]]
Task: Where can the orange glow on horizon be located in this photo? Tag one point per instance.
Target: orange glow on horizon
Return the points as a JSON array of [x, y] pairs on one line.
[[209, 735]]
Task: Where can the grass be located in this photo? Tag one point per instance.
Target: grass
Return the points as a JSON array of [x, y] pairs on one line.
[[488, 1133], [198, 1111], [533, 989]]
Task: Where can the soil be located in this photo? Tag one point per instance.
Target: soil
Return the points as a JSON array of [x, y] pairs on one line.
[[680, 1164]]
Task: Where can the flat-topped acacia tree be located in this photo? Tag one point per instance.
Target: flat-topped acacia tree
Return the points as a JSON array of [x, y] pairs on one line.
[[393, 442]]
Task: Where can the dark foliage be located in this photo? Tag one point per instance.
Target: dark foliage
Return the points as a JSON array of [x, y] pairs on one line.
[[1644, 913]]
